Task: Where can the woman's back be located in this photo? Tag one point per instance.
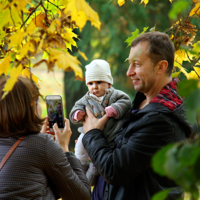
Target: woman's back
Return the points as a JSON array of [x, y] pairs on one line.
[[36, 168]]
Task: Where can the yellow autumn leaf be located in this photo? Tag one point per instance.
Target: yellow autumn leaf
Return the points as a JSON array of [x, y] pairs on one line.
[[193, 75], [195, 10], [182, 69], [24, 50], [81, 9], [170, 1], [197, 69], [16, 38], [30, 75], [180, 56], [83, 55], [196, 47], [66, 62], [68, 36], [5, 15], [31, 28], [14, 73], [4, 65], [145, 2], [80, 18], [20, 4], [121, 2]]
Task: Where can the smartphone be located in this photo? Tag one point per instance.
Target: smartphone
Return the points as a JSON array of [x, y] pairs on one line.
[[55, 111]]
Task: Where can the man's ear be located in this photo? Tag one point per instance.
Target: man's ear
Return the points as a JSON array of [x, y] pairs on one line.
[[162, 66], [109, 86]]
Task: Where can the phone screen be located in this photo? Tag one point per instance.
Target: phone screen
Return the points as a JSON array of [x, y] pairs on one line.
[[55, 110]]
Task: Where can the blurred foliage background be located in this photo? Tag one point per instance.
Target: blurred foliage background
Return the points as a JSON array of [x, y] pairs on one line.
[[108, 43], [117, 24]]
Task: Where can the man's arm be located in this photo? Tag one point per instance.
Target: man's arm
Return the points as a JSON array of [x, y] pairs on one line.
[[119, 166]]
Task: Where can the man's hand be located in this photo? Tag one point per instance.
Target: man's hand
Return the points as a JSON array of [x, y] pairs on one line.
[[91, 122]]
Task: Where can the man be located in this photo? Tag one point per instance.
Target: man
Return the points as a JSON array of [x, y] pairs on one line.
[[155, 119]]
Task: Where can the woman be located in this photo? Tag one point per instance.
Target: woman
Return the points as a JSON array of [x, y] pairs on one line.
[[38, 168]]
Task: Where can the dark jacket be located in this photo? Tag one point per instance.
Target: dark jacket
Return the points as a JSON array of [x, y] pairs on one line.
[[39, 169], [127, 167]]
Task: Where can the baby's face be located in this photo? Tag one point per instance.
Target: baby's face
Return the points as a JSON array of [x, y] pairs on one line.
[[97, 88]]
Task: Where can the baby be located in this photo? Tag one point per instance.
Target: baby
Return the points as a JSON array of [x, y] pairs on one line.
[[101, 99]]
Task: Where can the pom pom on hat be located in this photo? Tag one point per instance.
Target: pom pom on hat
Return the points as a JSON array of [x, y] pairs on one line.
[[98, 70]]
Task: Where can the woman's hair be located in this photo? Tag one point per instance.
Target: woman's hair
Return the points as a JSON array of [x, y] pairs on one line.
[[18, 109]]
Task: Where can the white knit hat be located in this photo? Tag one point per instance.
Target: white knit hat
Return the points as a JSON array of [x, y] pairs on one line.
[[98, 70]]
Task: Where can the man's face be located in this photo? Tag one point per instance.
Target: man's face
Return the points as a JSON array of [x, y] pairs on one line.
[[141, 69], [97, 88]]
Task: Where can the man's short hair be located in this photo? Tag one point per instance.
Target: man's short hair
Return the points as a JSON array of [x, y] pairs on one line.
[[160, 48]]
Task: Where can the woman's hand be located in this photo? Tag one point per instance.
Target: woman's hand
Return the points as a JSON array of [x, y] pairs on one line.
[[91, 122], [63, 137], [45, 127]]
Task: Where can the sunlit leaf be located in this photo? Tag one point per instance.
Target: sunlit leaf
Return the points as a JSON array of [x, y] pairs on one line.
[[135, 34], [196, 47], [195, 10], [38, 20], [81, 12], [121, 2], [24, 50], [197, 70], [14, 73], [176, 74], [4, 65], [66, 62], [16, 38], [83, 55], [182, 69], [30, 75], [180, 56], [145, 2], [20, 4]]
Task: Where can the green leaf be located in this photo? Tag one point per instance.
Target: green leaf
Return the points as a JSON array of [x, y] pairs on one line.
[[172, 164], [188, 154], [177, 7], [175, 75], [135, 34], [162, 195], [186, 87], [159, 159]]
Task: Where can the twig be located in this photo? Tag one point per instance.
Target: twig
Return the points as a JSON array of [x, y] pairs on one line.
[[196, 72], [54, 5], [30, 14], [11, 16]]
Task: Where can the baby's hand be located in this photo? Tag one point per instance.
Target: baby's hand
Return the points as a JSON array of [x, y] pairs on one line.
[[79, 115], [111, 112]]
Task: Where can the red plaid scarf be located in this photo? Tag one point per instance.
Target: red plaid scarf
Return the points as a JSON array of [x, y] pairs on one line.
[[168, 96]]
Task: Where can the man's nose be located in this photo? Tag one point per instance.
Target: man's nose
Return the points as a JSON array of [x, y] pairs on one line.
[[130, 71]]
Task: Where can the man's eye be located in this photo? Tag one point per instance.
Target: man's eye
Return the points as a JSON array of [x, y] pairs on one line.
[[99, 82], [137, 65], [90, 83]]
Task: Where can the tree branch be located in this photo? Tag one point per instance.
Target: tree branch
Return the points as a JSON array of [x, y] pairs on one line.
[[30, 14], [54, 5]]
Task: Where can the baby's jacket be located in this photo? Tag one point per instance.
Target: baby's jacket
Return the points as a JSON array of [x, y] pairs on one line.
[[115, 98]]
